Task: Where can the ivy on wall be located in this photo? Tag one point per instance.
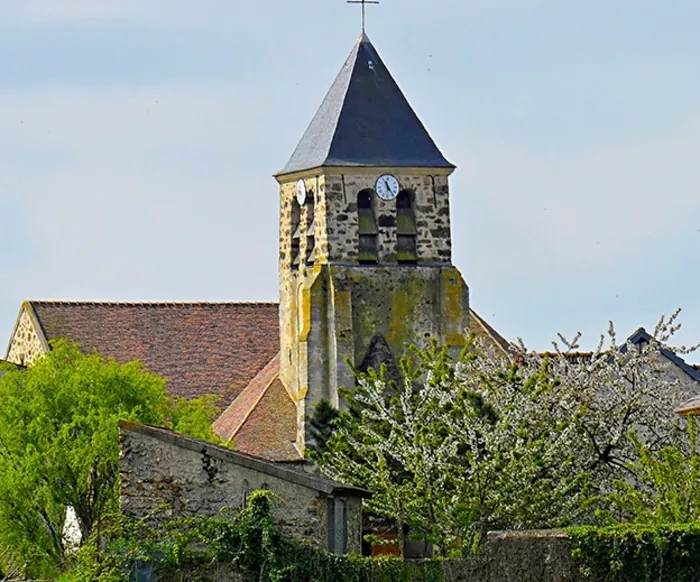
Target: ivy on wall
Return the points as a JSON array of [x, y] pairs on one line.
[[246, 544]]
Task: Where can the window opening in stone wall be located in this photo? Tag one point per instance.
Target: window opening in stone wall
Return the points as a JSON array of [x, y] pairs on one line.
[[337, 525], [245, 491], [330, 524], [341, 526], [311, 229], [367, 228], [296, 233], [406, 232]]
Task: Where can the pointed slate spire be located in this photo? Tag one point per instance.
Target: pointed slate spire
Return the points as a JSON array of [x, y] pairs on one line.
[[365, 120]]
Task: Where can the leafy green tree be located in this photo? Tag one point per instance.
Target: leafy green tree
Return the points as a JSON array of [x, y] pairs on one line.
[[59, 445], [665, 488]]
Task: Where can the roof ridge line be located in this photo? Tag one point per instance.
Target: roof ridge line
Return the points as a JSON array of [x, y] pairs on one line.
[[309, 480], [351, 57], [350, 62], [257, 400], [107, 303]]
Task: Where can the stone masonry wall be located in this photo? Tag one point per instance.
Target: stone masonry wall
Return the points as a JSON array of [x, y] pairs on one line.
[[340, 310], [336, 222], [406, 305], [189, 477], [25, 345], [314, 192], [431, 206], [519, 556], [326, 318]]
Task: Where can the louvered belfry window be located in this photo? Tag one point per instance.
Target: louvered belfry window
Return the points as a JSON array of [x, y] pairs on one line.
[[406, 232], [367, 227], [296, 233]]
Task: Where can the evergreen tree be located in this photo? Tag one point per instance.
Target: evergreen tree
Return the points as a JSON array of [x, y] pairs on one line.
[[321, 430]]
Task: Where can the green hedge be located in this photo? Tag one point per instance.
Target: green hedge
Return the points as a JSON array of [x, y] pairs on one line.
[[638, 553], [304, 564]]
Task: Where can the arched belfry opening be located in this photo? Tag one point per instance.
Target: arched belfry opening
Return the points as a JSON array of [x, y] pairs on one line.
[[379, 353], [296, 234], [406, 232], [367, 228]]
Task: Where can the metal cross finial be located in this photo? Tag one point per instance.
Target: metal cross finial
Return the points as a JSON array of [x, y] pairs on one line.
[[363, 2]]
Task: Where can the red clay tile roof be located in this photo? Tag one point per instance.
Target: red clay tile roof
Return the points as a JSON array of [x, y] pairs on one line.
[[262, 420], [201, 348], [231, 420], [691, 406], [270, 429]]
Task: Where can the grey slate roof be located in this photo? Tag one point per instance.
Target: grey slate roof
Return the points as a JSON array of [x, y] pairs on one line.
[[365, 120], [642, 335]]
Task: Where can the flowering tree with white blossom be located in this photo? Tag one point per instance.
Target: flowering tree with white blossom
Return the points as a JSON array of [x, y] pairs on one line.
[[484, 441]]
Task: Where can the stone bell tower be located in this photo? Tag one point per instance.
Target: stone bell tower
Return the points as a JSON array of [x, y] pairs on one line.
[[365, 241]]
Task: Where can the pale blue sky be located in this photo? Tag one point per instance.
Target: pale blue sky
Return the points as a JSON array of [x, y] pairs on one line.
[[138, 139]]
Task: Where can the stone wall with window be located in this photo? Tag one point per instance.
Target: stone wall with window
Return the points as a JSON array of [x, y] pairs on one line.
[[425, 225], [185, 477], [359, 271]]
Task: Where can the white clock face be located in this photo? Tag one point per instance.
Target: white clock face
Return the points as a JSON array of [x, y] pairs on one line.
[[387, 187], [301, 192]]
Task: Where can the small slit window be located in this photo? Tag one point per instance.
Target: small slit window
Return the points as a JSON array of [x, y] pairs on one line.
[[367, 228], [406, 232], [310, 230], [245, 492], [296, 234]]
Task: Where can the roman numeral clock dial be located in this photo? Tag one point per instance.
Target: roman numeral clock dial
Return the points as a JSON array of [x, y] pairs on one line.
[[387, 187]]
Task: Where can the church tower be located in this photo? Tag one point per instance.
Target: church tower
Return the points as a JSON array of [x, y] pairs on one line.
[[365, 240]]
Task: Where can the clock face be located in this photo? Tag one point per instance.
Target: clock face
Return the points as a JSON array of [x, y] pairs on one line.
[[387, 187], [301, 192]]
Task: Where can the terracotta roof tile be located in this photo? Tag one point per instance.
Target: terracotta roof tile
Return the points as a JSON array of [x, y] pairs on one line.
[[691, 406], [201, 348], [231, 420], [269, 431]]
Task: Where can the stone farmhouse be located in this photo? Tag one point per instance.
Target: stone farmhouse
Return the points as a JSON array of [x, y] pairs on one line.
[[365, 264]]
